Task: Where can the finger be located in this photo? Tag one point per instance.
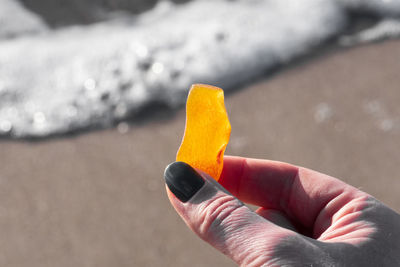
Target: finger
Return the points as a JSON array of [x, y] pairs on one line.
[[277, 217], [221, 219], [307, 197]]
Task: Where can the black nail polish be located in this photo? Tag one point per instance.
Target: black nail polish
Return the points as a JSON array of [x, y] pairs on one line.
[[182, 180]]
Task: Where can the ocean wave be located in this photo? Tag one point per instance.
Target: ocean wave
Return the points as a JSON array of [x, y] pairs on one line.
[[78, 77], [15, 20]]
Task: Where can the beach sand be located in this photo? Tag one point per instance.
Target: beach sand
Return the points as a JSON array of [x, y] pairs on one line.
[[98, 199]]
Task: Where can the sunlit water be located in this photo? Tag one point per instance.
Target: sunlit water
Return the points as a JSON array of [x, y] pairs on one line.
[[79, 77]]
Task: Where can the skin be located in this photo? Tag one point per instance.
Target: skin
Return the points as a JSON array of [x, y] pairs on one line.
[[305, 218]]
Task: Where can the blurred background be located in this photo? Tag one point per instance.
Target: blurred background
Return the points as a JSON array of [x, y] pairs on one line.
[[91, 111]]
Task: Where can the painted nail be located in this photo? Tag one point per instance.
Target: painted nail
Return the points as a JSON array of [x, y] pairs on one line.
[[183, 180]]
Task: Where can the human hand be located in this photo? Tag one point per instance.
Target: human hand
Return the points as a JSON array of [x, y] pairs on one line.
[[305, 218]]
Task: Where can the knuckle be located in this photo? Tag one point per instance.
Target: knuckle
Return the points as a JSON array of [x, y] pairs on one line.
[[216, 214]]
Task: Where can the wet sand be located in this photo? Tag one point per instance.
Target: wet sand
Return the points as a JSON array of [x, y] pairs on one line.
[[98, 199]]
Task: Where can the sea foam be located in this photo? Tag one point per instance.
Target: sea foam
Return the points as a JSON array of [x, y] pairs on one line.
[[16, 20], [79, 77]]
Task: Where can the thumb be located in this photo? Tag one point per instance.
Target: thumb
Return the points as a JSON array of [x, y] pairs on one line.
[[221, 219]]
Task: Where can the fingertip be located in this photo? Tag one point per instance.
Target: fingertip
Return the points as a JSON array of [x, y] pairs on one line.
[[183, 180], [232, 173], [170, 195]]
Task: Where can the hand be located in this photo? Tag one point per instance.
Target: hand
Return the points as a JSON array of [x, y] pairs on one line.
[[305, 218]]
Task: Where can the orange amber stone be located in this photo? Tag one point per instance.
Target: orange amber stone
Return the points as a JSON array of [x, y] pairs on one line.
[[207, 130]]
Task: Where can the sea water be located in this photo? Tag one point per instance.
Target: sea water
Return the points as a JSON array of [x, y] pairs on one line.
[[56, 81]]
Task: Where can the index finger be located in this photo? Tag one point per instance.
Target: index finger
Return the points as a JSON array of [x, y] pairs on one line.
[[304, 195]]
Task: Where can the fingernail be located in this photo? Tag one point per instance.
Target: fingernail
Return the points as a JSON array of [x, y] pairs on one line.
[[183, 180]]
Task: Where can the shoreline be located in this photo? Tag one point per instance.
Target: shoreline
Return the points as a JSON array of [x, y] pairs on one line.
[[132, 70], [98, 198]]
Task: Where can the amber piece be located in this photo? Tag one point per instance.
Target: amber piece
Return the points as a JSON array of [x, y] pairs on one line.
[[207, 130]]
